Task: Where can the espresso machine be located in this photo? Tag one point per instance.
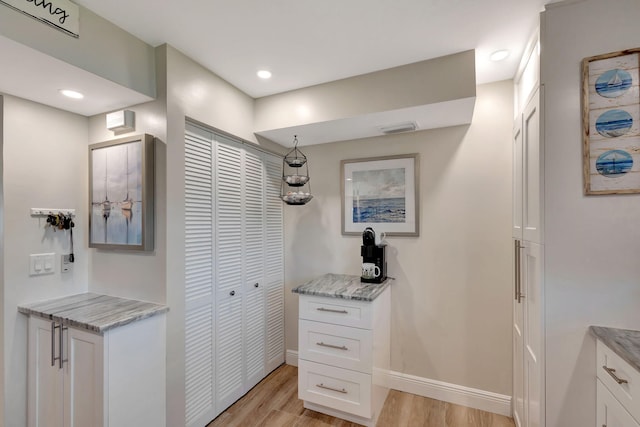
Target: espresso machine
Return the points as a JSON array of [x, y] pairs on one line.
[[374, 262]]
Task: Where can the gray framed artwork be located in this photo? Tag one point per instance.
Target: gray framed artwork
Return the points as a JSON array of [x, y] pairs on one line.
[[121, 190], [381, 192]]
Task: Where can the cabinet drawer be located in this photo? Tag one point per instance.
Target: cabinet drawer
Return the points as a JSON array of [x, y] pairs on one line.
[[610, 412], [336, 345], [340, 389], [627, 392], [336, 311]]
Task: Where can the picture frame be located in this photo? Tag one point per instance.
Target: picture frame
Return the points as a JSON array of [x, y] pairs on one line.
[[611, 123], [382, 193], [121, 193]]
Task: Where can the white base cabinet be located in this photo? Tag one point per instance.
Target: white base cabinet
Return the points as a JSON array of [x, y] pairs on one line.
[[618, 390], [610, 412], [344, 347], [77, 378]]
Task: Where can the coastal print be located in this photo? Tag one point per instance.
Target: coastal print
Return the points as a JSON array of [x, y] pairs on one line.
[[379, 196], [381, 192], [116, 205], [614, 123], [612, 127], [613, 83], [614, 163]]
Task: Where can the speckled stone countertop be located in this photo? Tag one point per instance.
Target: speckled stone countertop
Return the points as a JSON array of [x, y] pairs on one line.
[[342, 286], [624, 342], [94, 312]]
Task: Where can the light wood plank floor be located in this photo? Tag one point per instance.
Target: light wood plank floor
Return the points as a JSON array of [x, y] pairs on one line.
[[274, 403]]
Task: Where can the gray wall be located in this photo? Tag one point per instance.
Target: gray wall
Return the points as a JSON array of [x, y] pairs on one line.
[[451, 302], [592, 273]]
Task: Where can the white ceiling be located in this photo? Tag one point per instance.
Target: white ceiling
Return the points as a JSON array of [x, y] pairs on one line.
[[305, 42]]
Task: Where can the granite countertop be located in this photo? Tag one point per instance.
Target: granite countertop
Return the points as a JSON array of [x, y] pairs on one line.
[[342, 286], [624, 342], [94, 312]]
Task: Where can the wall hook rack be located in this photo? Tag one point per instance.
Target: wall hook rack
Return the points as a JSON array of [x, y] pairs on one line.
[[47, 212]]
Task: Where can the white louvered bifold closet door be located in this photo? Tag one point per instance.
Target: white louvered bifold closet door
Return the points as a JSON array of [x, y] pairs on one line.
[[229, 272], [274, 262], [254, 235], [234, 271], [199, 295]]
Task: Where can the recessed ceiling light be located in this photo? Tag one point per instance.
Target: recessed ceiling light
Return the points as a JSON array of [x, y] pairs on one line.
[[499, 55], [71, 94], [264, 74]]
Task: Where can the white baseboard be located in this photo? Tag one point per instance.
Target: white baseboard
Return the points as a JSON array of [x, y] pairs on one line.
[[452, 393], [446, 392], [291, 358]]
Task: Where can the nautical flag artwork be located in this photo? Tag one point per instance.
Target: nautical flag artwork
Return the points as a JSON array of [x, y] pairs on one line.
[[611, 123]]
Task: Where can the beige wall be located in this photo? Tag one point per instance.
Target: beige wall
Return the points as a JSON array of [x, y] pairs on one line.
[[196, 93], [451, 302], [592, 274], [45, 166], [133, 274], [396, 88], [103, 48]]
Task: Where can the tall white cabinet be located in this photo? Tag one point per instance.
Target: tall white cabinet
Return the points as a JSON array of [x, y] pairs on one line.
[[527, 232], [234, 276]]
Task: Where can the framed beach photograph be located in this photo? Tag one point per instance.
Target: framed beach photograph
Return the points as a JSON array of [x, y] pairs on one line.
[[121, 187], [611, 123], [380, 192]]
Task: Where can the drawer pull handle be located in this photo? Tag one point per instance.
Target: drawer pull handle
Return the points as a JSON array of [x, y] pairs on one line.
[[339, 347], [331, 388], [612, 372], [332, 311]]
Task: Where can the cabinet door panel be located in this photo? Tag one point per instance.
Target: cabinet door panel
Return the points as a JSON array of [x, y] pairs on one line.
[[199, 289], [532, 288], [45, 381], [229, 347], [275, 325], [532, 172], [517, 179], [274, 263], [254, 334], [274, 241], [609, 412], [229, 208], [83, 379], [253, 217]]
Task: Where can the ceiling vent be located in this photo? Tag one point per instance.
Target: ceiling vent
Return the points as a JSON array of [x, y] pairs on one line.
[[399, 128]]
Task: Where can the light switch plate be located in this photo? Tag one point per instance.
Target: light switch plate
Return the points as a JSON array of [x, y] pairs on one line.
[[40, 264]]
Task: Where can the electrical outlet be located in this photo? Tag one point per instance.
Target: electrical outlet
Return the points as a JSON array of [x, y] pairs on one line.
[[41, 264], [66, 265]]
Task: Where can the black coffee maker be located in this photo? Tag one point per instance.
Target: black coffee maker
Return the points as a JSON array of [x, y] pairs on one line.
[[375, 255]]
